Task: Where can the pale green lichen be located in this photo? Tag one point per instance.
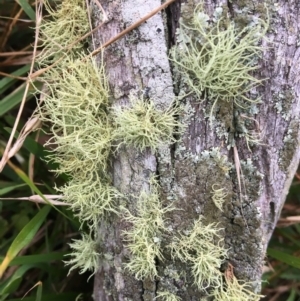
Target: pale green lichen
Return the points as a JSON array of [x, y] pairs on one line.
[[144, 236], [65, 25], [218, 196], [202, 249], [167, 296], [91, 197], [233, 290], [85, 255], [217, 62], [143, 125], [75, 107]]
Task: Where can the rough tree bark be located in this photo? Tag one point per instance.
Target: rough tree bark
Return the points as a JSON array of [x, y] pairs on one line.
[[140, 60]]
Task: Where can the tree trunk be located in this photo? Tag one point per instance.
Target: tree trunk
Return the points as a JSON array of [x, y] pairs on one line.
[[202, 162]]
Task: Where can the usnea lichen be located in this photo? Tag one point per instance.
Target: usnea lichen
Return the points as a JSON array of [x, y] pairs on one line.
[[144, 236], [75, 105], [233, 290], [167, 296], [65, 25], [218, 196], [216, 61], [85, 255], [215, 64], [201, 248], [142, 125]]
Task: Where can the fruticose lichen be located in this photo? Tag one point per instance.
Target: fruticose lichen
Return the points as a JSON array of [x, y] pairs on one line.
[[145, 234], [233, 290], [142, 125], [167, 296], [85, 255], [216, 62], [218, 196], [202, 249], [64, 26], [75, 105]]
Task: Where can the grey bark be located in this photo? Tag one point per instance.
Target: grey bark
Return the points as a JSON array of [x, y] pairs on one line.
[[140, 60]]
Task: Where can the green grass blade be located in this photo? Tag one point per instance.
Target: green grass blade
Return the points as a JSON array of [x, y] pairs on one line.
[[15, 97], [11, 284], [7, 82], [24, 237], [51, 297], [39, 292], [38, 258], [8, 189], [28, 232], [284, 257], [292, 296], [27, 9], [32, 186]]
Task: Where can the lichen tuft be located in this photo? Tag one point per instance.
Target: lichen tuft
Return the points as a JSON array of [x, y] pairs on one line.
[[167, 296], [234, 290], [143, 125], [216, 61], [65, 25], [218, 196], [202, 249], [85, 255], [144, 237]]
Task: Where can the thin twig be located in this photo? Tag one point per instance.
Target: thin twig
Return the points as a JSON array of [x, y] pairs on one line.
[[130, 28]]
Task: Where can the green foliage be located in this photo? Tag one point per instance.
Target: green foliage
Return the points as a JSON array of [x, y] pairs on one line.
[[201, 248], [144, 237], [291, 260], [216, 61], [143, 125]]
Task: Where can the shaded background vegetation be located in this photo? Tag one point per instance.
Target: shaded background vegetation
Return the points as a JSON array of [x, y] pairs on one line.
[[39, 265]]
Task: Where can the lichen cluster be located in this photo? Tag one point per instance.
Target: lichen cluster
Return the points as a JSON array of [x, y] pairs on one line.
[[233, 290], [75, 105], [87, 128], [84, 128], [167, 296], [202, 248], [65, 25], [145, 235], [143, 125], [216, 60], [218, 196]]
